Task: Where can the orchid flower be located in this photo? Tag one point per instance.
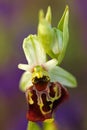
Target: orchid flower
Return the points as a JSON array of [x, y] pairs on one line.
[[43, 81]]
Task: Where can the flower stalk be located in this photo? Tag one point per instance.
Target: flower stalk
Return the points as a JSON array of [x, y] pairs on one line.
[[50, 125]]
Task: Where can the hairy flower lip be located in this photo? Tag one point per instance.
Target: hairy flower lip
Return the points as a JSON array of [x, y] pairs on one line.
[[42, 104]]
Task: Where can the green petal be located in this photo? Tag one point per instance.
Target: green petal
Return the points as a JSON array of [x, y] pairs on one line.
[[63, 26], [33, 126], [25, 81], [62, 76], [33, 50]]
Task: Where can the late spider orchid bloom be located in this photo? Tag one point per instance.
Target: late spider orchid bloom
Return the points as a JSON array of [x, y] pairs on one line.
[[43, 79], [42, 82]]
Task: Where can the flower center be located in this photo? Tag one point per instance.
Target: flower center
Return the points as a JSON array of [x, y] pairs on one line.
[[40, 78]]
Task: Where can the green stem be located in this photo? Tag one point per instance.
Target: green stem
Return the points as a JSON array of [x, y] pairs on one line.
[[33, 126], [49, 124]]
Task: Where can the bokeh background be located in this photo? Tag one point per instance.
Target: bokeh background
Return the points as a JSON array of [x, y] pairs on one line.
[[18, 19]]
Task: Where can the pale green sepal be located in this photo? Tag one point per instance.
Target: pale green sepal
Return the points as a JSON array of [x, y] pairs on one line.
[[49, 124], [60, 75], [25, 81], [50, 64], [33, 126], [33, 50], [63, 26]]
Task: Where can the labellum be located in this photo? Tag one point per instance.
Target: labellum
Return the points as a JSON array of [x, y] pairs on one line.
[[43, 97]]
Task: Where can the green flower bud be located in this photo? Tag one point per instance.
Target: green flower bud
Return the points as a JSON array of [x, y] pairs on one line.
[[54, 40]]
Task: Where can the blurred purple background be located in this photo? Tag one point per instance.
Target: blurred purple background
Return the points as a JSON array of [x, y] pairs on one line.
[[18, 19]]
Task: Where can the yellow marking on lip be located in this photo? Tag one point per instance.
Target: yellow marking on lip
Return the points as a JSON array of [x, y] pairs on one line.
[[57, 96], [43, 112], [30, 98], [40, 103]]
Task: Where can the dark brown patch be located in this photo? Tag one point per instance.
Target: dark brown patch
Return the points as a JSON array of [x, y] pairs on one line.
[[52, 92], [34, 113], [41, 83], [64, 96], [46, 103], [41, 86]]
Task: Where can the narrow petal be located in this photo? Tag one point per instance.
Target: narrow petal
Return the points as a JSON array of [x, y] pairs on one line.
[[62, 76], [25, 81], [25, 67], [50, 64]]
